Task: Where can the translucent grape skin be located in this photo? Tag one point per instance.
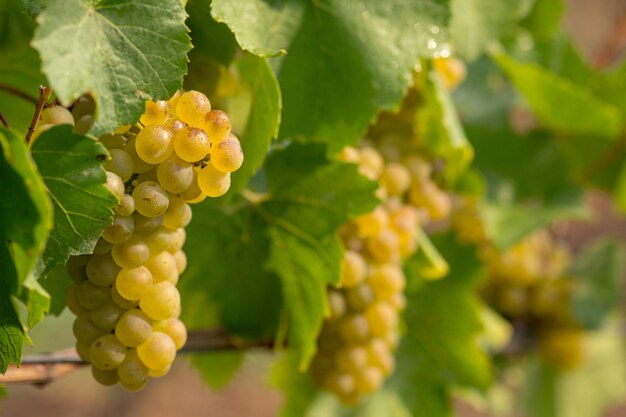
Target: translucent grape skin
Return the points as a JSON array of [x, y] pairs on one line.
[[156, 113], [106, 378], [163, 267], [177, 215], [131, 253], [160, 301], [91, 296], [120, 231], [120, 164], [227, 156], [175, 175], [154, 144], [133, 328], [158, 351], [132, 282], [106, 352], [57, 115], [151, 200], [217, 125], [102, 270], [132, 372], [106, 316], [175, 329], [213, 182], [192, 144], [191, 108]]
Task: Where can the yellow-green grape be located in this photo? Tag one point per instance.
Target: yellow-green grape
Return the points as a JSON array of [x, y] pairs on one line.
[[175, 175], [91, 296], [227, 156], [106, 316], [106, 352], [178, 214], [151, 199], [420, 168], [134, 252], [193, 192], [84, 106], [113, 141], [380, 355], [192, 144], [342, 384], [82, 348], [126, 206], [83, 124], [132, 371], [451, 70], [76, 267], [213, 182], [174, 125], [156, 113], [102, 270], [354, 269], [384, 246], [381, 318], [158, 373], [172, 101], [159, 240], [120, 231], [145, 226], [175, 329], [160, 301], [102, 247], [132, 282], [150, 175], [154, 144], [178, 240], [398, 301], [217, 125], [122, 129], [371, 163], [121, 301], [115, 185], [337, 304], [71, 301], [133, 328], [359, 297], [351, 358], [395, 178], [120, 164], [158, 351], [85, 329], [132, 387], [192, 107], [57, 115], [372, 222], [163, 268], [106, 378], [354, 328], [426, 194], [387, 280], [139, 165], [181, 261], [349, 154], [369, 379]]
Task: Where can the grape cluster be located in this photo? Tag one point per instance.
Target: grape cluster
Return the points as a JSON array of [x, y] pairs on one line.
[[124, 295]]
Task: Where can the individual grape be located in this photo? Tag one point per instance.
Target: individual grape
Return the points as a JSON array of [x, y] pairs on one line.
[[126, 206], [82, 348], [84, 106], [133, 387], [132, 371], [192, 107], [174, 125], [133, 328], [156, 113], [113, 141], [132, 282], [102, 270], [158, 351], [57, 115], [106, 378], [213, 182], [83, 124], [160, 301], [384, 246], [106, 316], [71, 301], [193, 192], [158, 373], [175, 329], [192, 144], [351, 359], [107, 352], [373, 222], [91, 296], [178, 240], [227, 156], [371, 163], [120, 164], [154, 144], [139, 165], [386, 280], [177, 215], [337, 304], [102, 247], [115, 185], [369, 379], [181, 261], [85, 329], [342, 385], [121, 301], [353, 328], [163, 268], [132, 253], [120, 231], [76, 267], [145, 226], [353, 270], [175, 175], [395, 178], [160, 240], [217, 125], [151, 199], [359, 297], [381, 318]]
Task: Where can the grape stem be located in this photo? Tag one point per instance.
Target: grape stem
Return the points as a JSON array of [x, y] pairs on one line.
[[44, 95], [46, 367]]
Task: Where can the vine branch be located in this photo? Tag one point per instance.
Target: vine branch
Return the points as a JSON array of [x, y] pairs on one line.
[[44, 368], [44, 95]]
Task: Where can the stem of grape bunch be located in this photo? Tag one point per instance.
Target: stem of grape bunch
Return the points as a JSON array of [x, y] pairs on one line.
[[44, 95]]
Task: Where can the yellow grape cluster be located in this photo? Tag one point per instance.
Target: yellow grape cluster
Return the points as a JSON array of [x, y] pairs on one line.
[[124, 295]]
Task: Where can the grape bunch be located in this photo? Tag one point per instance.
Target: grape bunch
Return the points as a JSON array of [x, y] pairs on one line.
[[124, 295]]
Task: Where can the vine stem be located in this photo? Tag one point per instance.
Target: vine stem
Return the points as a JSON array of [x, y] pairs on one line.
[[44, 368], [44, 95], [4, 120]]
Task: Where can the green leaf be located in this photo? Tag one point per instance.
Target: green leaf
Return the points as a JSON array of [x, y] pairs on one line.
[[209, 37], [477, 23], [16, 27], [599, 272], [297, 387], [559, 103], [56, 284], [70, 165], [122, 52], [217, 368], [544, 18], [587, 391], [346, 60], [440, 348], [34, 7], [25, 221], [277, 250]]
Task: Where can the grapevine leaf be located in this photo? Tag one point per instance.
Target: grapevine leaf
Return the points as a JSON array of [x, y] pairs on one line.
[[56, 284], [544, 18], [70, 165], [122, 52], [348, 59], [209, 37], [25, 221], [477, 23], [217, 368], [277, 250], [599, 271], [559, 103], [263, 118], [297, 387], [443, 321], [587, 391], [16, 27]]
